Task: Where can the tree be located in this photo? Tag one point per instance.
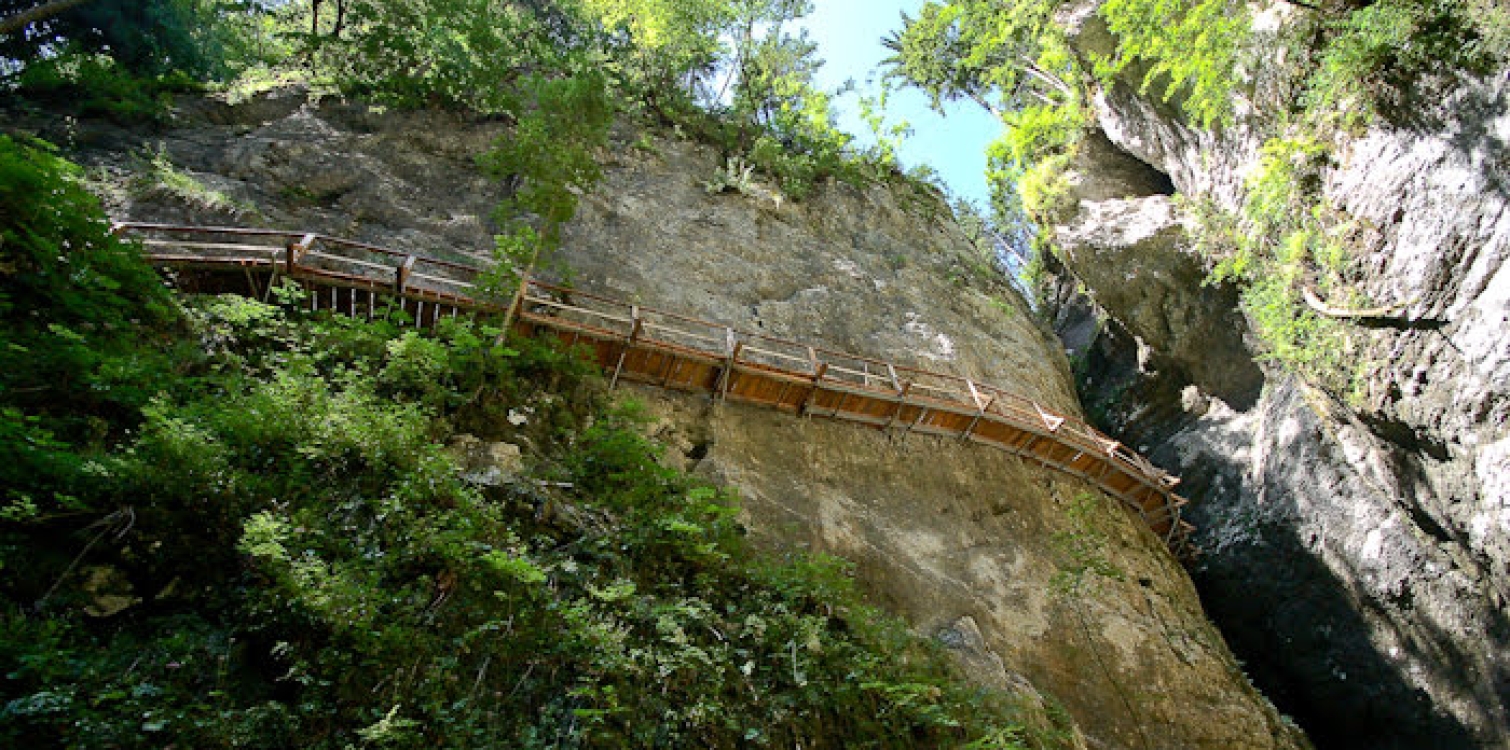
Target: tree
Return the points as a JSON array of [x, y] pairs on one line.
[[1000, 57], [18, 20], [146, 37]]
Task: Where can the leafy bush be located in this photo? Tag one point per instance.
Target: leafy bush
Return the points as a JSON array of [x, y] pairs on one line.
[[85, 326], [93, 84], [1286, 241], [1190, 48], [192, 38], [1383, 58], [734, 175]]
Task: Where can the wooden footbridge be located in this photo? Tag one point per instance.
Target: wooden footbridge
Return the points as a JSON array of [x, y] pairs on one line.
[[664, 349]]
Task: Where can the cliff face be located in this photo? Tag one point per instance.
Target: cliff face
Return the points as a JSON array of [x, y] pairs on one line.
[[1355, 554], [971, 546], [1037, 582]]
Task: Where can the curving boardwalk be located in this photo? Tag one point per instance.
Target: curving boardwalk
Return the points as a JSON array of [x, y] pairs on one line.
[[668, 350]]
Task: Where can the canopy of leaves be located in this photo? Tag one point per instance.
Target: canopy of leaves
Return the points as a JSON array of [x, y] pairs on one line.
[[147, 37], [999, 57]]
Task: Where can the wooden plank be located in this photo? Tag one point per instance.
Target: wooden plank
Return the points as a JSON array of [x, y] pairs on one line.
[[901, 402], [190, 245], [819, 370], [983, 409]]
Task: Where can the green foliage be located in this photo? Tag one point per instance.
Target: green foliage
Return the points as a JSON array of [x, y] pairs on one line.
[[731, 73], [79, 307], [668, 48], [1288, 240], [1029, 160], [1382, 58], [550, 156], [735, 175], [1013, 61], [888, 137], [1191, 48], [156, 173], [459, 53], [93, 84], [145, 37], [1001, 57]]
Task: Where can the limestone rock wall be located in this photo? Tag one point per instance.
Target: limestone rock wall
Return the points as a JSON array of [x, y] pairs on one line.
[[971, 545], [1355, 554]]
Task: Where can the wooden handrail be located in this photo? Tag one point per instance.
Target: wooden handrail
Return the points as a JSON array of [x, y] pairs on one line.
[[731, 350]]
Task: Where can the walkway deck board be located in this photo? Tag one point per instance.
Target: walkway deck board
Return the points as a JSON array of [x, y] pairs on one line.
[[678, 352]]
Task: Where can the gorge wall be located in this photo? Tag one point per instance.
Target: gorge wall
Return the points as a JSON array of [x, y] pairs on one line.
[[1039, 584], [1355, 551]]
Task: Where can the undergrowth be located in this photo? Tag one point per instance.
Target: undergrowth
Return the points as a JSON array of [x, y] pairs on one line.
[[234, 524]]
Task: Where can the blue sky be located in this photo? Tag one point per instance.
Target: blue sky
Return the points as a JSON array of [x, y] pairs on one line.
[[848, 34]]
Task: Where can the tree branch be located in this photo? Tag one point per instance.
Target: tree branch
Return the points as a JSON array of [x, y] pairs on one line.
[[1320, 307], [19, 21], [1051, 80], [984, 103]]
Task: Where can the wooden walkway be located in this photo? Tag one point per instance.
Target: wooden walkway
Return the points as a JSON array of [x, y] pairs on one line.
[[664, 349]]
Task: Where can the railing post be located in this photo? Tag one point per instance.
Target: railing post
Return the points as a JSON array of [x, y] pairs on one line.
[[636, 325], [401, 275], [732, 347], [901, 402], [819, 370], [293, 251], [983, 408], [1051, 421], [297, 249]]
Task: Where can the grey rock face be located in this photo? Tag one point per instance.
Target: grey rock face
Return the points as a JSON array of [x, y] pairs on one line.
[[1392, 636], [1133, 256], [965, 542], [962, 542], [1356, 555], [484, 463]]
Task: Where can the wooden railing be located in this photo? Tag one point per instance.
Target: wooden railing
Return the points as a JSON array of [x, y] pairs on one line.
[[676, 351], [340, 274]]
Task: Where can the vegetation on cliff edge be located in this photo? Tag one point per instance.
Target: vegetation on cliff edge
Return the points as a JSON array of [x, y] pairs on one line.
[[1346, 66]]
